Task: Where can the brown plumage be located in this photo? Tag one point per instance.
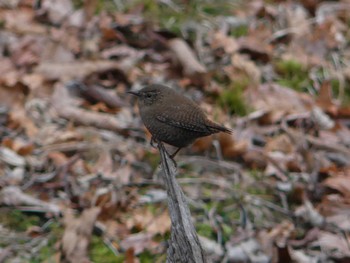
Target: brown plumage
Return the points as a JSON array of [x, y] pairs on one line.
[[173, 118]]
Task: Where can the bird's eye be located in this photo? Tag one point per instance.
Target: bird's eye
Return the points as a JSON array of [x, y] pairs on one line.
[[148, 95]]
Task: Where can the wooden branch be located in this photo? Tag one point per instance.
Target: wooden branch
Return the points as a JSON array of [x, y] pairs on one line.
[[184, 244], [61, 102]]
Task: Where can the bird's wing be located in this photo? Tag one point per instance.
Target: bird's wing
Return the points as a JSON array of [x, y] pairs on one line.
[[183, 120]]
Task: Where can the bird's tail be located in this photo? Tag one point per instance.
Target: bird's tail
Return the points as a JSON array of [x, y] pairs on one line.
[[214, 127]]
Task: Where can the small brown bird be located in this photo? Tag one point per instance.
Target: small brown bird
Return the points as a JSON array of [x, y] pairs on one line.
[[173, 118]]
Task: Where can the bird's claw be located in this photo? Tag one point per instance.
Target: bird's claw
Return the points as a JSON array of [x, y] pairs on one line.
[[154, 143]]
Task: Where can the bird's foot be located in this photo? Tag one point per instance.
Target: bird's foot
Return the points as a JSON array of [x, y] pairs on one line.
[[154, 143], [172, 156]]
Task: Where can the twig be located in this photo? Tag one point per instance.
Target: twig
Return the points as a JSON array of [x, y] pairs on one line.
[[204, 161], [184, 244], [61, 102]]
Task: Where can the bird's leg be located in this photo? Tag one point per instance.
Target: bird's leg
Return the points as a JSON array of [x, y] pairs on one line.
[[162, 148], [153, 142], [173, 154]]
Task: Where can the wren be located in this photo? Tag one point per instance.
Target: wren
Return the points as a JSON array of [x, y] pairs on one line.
[[173, 118]]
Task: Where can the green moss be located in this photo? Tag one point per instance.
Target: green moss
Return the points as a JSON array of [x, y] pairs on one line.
[[48, 252], [292, 75], [205, 230], [98, 250], [179, 14], [239, 31], [2, 24], [256, 190], [256, 174], [148, 257], [152, 159], [102, 5], [77, 4], [345, 100], [18, 221], [233, 100], [227, 231]]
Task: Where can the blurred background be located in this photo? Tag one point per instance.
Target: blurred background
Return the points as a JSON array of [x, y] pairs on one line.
[[79, 181]]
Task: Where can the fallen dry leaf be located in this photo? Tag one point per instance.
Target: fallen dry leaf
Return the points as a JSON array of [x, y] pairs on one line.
[[280, 143], [73, 70], [221, 41], [139, 242], [77, 235], [334, 245], [192, 68], [160, 225], [13, 196], [278, 101], [339, 183], [243, 67]]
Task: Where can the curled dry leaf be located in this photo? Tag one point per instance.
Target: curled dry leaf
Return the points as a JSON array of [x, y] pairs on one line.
[[12, 158], [340, 183], [325, 98], [242, 67], [297, 19], [322, 119], [139, 242], [160, 225], [247, 251], [13, 196], [275, 239], [187, 59], [20, 21], [278, 101], [203, 144], [77, 235], [57, 11], [334, 245], [256, 44], [73, 70], [280, 143], [215, 250], [309, 214], [221, 41], [8, 74], [232, 148], [62, 104]]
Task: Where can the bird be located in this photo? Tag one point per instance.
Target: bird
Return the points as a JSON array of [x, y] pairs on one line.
[[173, 118]]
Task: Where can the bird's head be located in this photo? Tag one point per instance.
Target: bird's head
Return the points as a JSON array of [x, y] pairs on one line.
[[149, 95]]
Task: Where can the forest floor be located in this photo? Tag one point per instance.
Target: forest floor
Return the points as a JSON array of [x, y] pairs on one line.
[[79, 180]]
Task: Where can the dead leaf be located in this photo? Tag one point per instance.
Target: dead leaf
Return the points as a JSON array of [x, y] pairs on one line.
[[231, 147], [243, 67], [140, 219], [280, 143], [57, 11], [18, 118], [325, 98], [256, 45], [77, 235], [278, 101], [160, 225], [221, 41], [334, 244], [192, 68], [339, 183], [73, 70], [58, 158], [139, 242], [13, 196], [20, 21]]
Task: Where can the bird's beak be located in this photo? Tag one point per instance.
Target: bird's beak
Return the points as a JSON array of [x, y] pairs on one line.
[[135, 93]]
